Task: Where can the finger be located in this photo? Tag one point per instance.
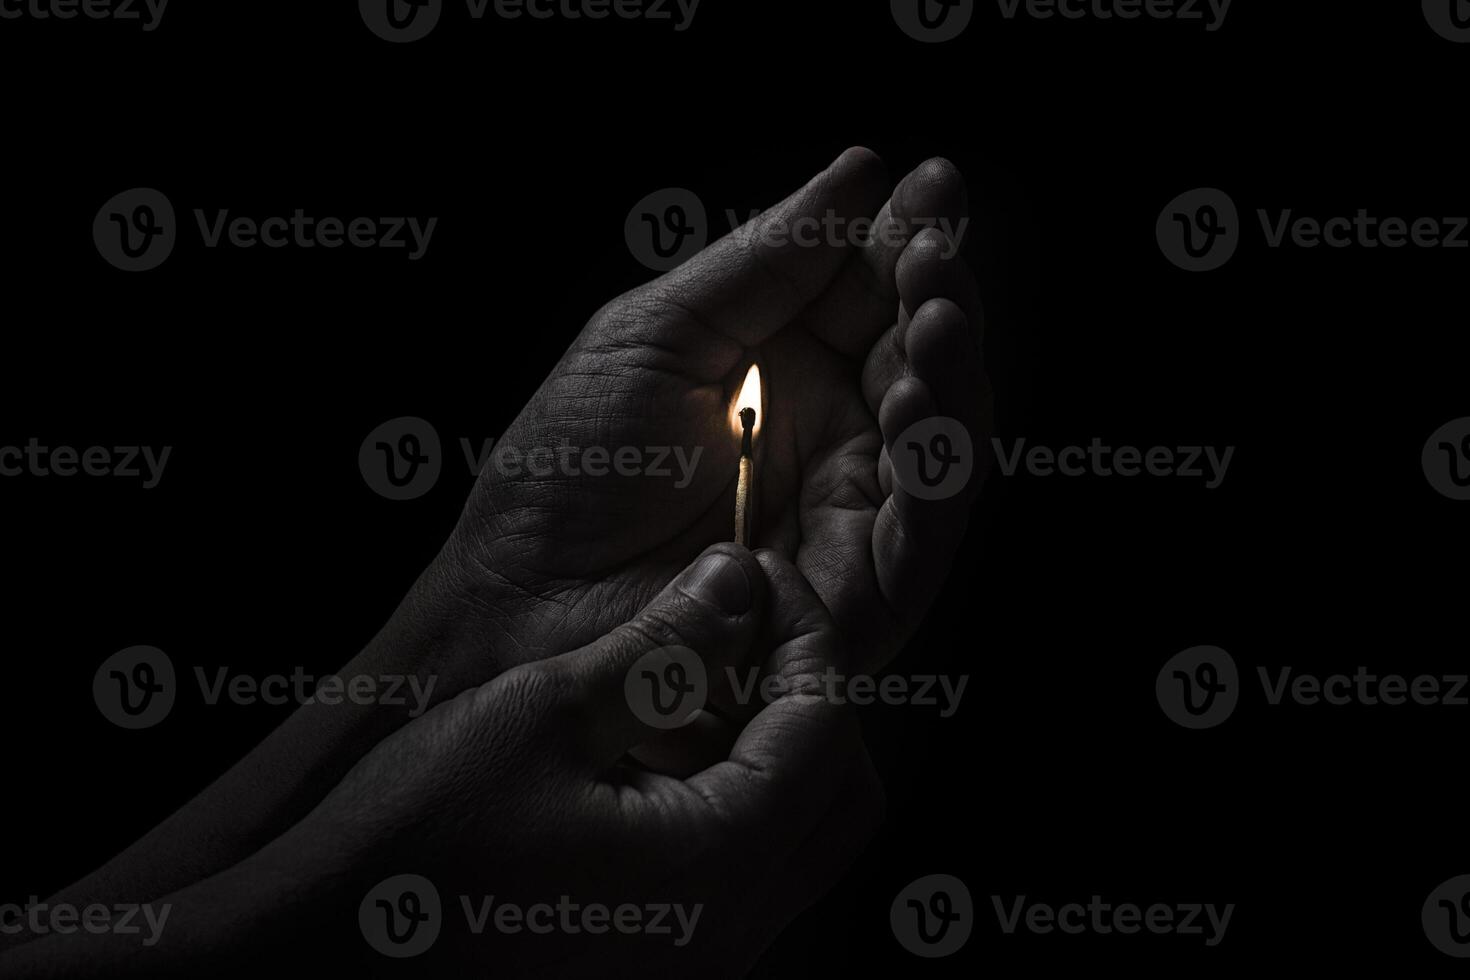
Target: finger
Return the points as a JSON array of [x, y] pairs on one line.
[[943, 350], [940, 349], [795, 632], [914, 539], [703, 621], [798, 629], [758, 278], [931, 267], [788, 764], [782, 773], [862, 301], [887, 362]]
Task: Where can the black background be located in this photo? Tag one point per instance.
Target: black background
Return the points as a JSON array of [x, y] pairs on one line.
[[1060, 778]]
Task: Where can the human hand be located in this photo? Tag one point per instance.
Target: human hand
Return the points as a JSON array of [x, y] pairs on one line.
[[851, 341], [854, 345], [517, 789]]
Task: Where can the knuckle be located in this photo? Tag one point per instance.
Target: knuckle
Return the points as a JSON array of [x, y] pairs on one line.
[[532, 692], [665, 624]]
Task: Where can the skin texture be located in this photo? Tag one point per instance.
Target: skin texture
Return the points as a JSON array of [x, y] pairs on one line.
[[855, 343], [843, 364], [515, 789]]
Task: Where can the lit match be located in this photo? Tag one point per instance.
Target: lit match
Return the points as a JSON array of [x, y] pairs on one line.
[[747, 416]]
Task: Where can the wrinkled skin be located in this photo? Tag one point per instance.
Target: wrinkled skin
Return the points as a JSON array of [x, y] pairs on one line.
[[512, 793], [559, 559], [513, 788], [855, 344]]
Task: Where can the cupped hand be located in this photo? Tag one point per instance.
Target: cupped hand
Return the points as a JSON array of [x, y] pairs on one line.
[[854, 342], [519, 789]]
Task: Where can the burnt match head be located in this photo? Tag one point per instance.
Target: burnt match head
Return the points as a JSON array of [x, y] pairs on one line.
[[747, 423]]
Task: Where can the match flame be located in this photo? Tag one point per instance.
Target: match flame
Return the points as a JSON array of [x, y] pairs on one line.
[[749, 397]]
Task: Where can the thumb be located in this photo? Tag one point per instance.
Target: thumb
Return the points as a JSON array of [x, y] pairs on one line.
[[655, 672]]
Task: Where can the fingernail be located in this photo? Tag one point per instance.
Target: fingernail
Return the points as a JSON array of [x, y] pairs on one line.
[[720, 579]]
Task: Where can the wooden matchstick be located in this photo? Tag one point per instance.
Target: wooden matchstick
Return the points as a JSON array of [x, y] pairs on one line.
[[745, 484]]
